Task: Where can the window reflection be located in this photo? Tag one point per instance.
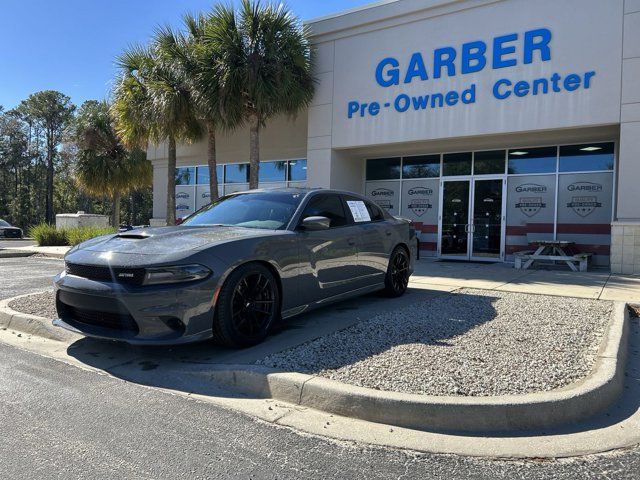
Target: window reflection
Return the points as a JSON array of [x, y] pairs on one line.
[[421, 166], [297, 170], [383, 168], [587, 157], [456, 163], [185, 175], [272, 171], [533, 160]]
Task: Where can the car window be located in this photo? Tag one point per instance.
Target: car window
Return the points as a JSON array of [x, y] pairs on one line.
[[265, 210], [374, 212], [4, 224], [329, 206]]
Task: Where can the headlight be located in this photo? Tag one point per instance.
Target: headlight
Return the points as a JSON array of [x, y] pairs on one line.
[[177, 274]]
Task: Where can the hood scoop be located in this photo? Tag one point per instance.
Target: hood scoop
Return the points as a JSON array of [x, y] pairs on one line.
[[133, 236]]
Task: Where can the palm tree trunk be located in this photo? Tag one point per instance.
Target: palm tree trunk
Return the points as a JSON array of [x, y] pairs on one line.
[[212, 161], [115, 216], [171, 182], [254, 153], [49, 216]]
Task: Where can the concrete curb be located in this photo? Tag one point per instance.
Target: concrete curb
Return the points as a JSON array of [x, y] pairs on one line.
[[10, 253], [31, 324], [575, 402], [18, 252]]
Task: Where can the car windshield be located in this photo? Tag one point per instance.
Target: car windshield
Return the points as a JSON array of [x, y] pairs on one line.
[[4, 224], [265, 210]]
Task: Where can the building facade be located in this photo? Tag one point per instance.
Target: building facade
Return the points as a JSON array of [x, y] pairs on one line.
[[489, 123]]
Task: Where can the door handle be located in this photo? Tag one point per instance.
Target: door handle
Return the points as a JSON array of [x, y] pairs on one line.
[[388, 233], [351, 242]]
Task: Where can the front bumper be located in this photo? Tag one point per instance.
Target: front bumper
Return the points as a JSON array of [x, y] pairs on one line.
[[157, 315]]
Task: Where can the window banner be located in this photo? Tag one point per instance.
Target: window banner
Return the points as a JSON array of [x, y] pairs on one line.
[[530, 210], [203, 195], [420, 204], [385, 194], [185, 200], [584, 212]]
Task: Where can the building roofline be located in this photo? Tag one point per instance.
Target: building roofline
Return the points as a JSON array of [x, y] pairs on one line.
[[375, 12]]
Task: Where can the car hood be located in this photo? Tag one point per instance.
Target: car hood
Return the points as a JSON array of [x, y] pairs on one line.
[[167, 240]]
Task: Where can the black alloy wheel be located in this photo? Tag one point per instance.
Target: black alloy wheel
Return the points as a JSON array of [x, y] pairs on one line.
[[248, 306], [397, 277]]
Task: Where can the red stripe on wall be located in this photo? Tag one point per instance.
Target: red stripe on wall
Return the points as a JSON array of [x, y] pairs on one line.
[[429, 246], [422, 228], [529, 228], [585, 228]]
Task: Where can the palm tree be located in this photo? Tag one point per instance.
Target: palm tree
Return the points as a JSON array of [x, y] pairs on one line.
[[197, 60], [104, 165], [264, 66], [152, 103]]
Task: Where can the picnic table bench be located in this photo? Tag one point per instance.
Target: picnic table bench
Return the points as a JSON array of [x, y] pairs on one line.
[[553, 250]]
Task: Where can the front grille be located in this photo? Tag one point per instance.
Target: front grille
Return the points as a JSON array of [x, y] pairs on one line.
[[115, 321], [12, 233], [130, 276]]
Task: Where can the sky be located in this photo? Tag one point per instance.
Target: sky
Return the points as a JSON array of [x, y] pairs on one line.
[[71, 45]]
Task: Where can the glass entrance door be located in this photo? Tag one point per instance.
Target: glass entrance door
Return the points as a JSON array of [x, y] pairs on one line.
[[486, 222], [472, 220], [454, 236]]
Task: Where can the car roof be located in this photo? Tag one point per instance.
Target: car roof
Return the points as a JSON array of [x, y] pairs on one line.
[[300, 190]]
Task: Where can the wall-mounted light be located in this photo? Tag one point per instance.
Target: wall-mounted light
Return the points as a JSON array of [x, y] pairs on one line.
[[518, 153]]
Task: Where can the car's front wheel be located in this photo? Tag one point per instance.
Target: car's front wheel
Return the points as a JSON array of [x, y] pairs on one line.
[[397, 277], [248, 306]]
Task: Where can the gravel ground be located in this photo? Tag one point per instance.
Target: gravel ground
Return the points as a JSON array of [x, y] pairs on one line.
[[41, 304], [469, 343]]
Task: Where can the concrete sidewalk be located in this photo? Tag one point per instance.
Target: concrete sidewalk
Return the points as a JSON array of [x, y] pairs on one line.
[[599, 284]]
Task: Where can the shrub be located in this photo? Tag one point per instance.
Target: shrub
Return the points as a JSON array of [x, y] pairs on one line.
[[80, 234], [48, 236]]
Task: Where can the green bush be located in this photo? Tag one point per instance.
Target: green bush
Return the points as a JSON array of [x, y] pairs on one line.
[[48, 236], [80, 234]]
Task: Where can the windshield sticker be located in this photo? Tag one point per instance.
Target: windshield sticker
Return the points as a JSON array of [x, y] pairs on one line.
[[358, 211]]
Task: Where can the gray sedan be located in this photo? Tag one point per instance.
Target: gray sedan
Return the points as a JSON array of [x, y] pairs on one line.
[[234, 269]]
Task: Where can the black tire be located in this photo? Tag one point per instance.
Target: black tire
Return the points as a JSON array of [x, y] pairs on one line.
[[248, 306], [397, 278]]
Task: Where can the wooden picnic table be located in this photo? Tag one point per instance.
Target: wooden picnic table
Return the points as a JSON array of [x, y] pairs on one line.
[[553, 250]]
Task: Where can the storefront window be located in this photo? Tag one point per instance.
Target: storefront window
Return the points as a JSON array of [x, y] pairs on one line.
[[236, 173], [297, 170], [533, 160], [587, 157], [486, 163], [203, 174], [422, 166], [185, 175], [383, 168], [272, 171], [457, 163]]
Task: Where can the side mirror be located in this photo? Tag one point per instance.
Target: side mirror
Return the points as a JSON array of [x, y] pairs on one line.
[[315, 223]]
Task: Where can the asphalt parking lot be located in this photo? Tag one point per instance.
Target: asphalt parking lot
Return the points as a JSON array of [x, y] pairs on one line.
[[27, 275]]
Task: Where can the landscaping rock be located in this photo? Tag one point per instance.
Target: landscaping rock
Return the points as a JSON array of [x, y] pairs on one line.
[[469, 343]]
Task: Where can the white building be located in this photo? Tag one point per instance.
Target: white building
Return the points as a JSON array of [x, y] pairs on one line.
[[490, 123]]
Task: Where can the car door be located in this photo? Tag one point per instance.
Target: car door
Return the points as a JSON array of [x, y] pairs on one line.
[[328, 258], [374, 239]]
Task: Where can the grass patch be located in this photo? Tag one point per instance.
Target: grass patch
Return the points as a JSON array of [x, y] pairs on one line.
[[48, 236]]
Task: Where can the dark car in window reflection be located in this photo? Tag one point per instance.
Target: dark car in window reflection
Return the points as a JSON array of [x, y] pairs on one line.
[[234, 269]]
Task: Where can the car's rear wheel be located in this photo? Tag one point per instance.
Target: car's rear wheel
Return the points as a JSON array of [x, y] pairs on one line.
[[248, 306], [397, 277]]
